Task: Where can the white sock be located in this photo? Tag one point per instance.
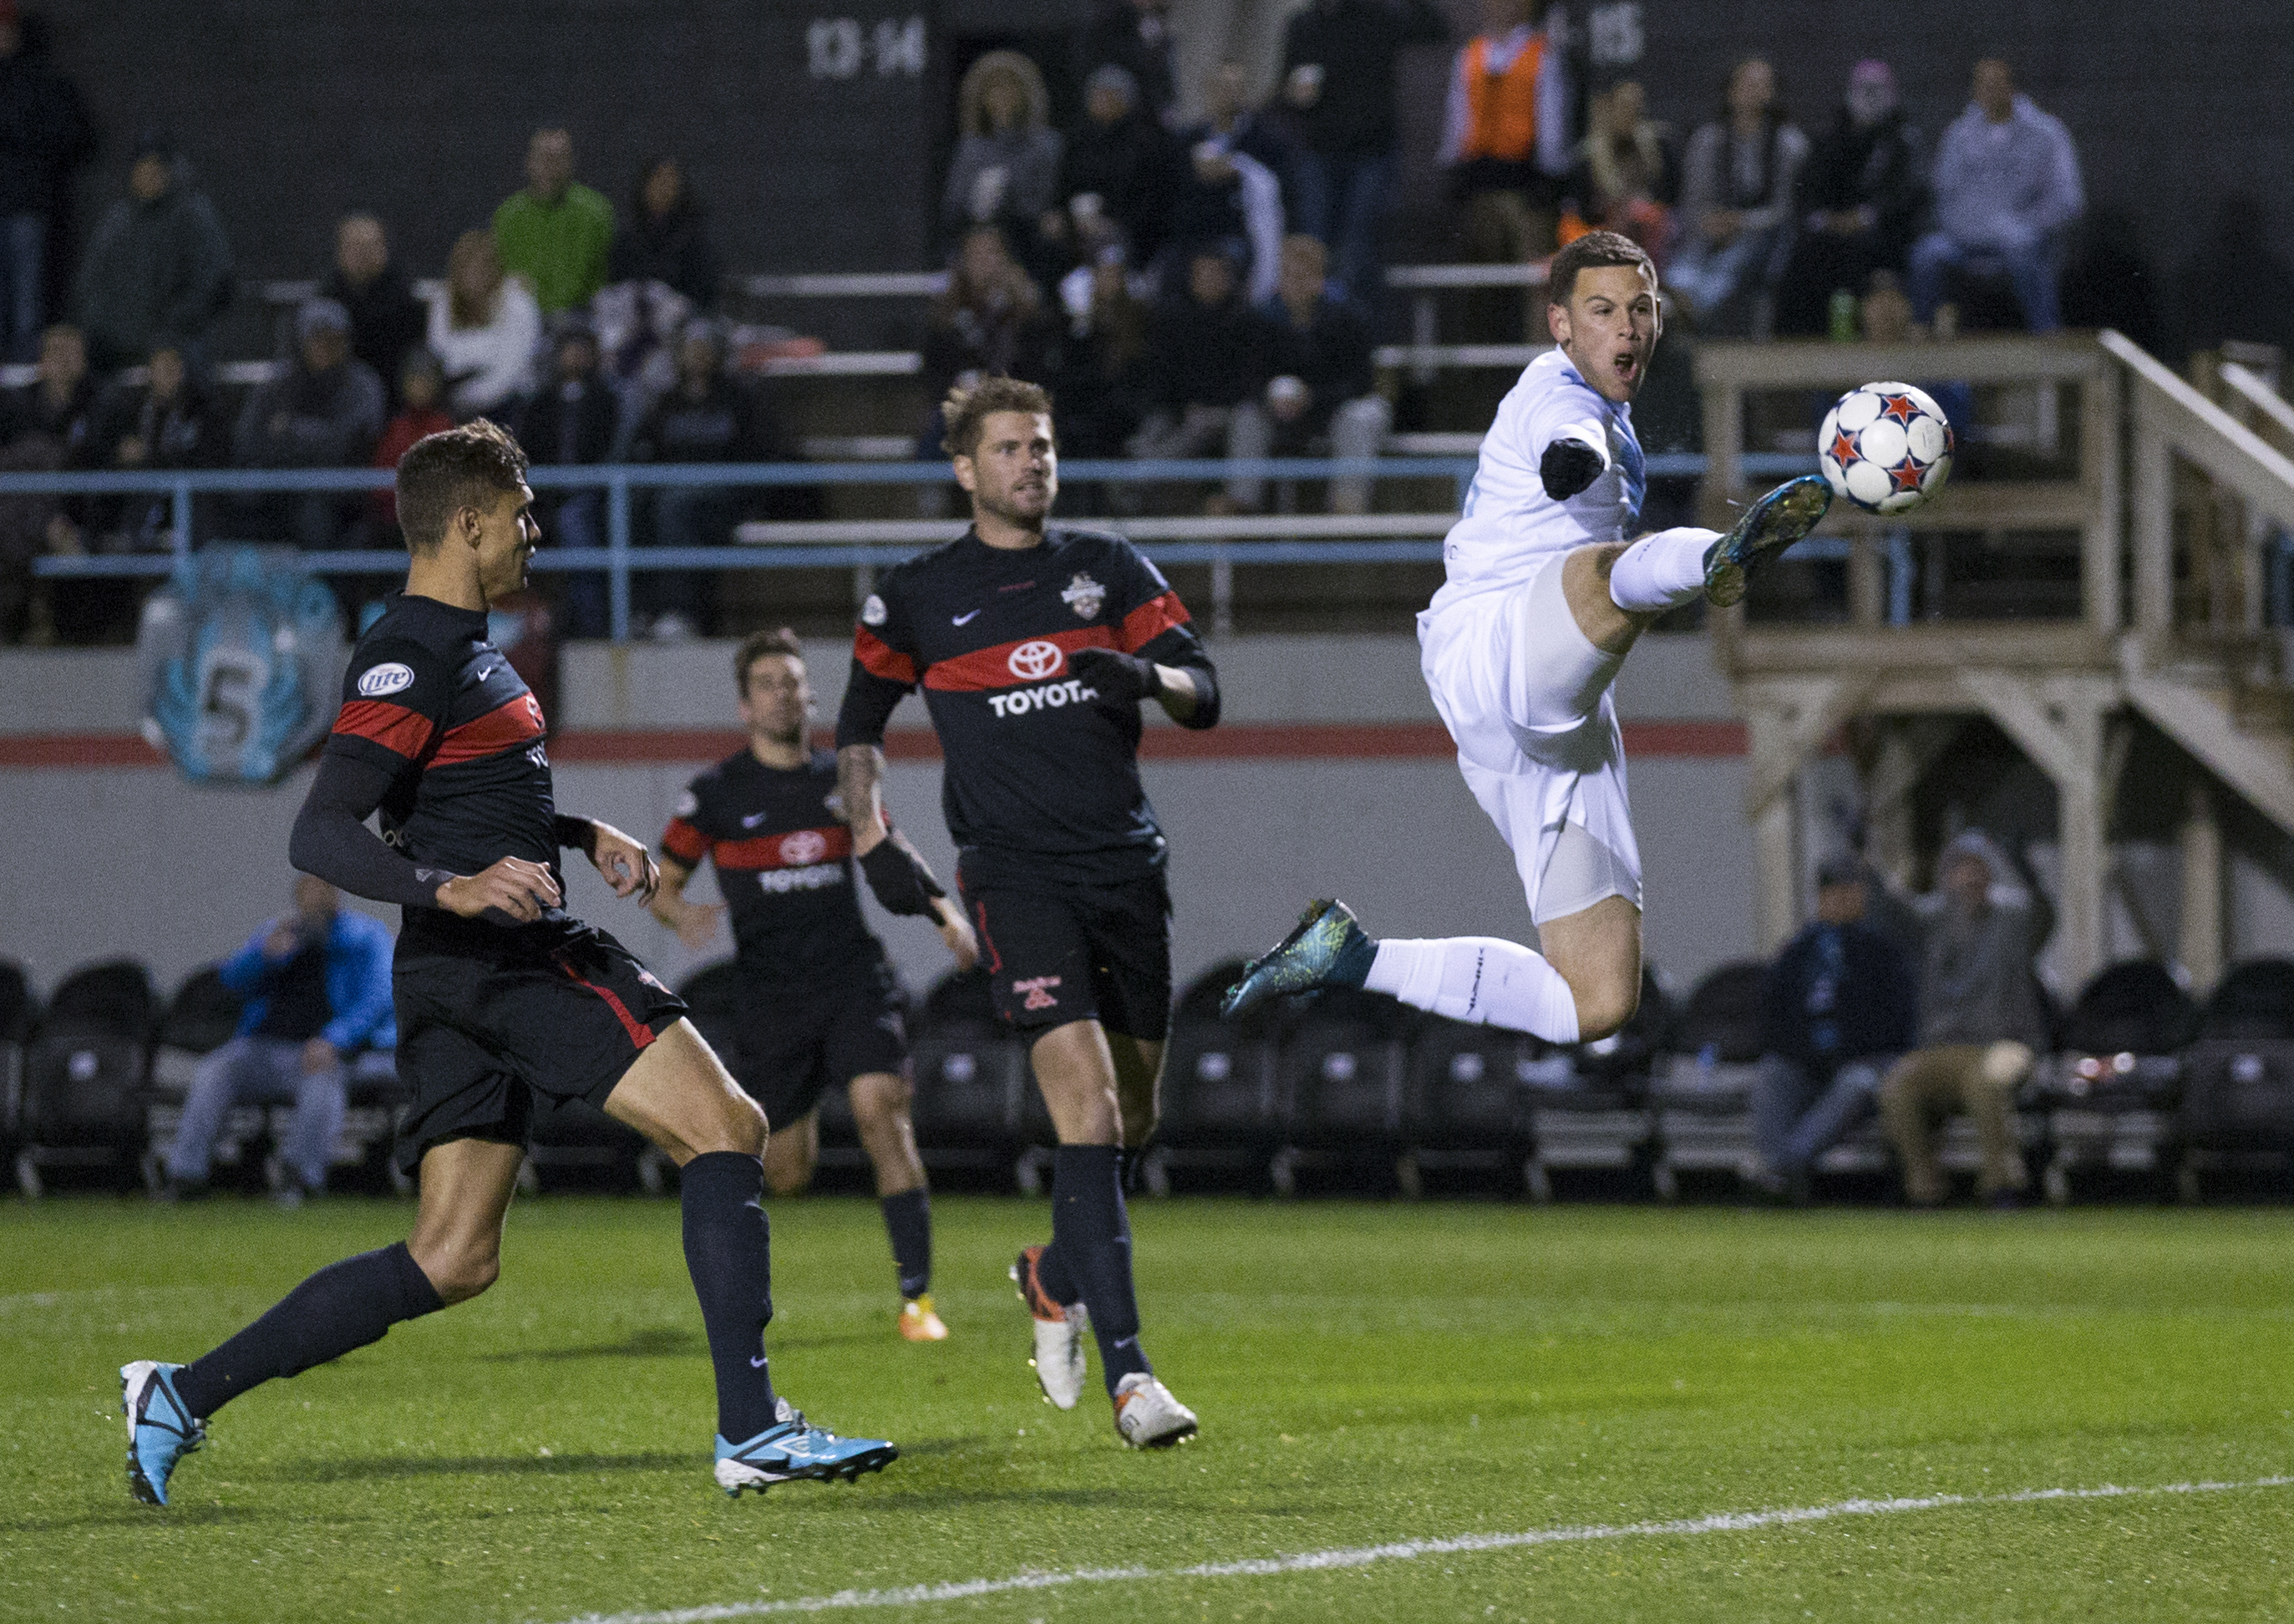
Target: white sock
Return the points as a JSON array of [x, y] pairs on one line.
[[1661, 572], [1479, 979]]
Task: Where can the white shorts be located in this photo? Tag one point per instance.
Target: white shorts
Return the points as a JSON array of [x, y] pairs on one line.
[[1526, 698]]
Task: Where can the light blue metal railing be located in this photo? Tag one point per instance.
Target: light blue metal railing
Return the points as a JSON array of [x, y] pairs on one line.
[[620, 557]]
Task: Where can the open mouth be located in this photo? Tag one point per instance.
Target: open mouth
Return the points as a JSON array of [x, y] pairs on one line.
[[1627, 364]]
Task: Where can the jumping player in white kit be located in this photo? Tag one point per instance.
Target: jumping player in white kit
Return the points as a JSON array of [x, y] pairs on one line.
[[1545, 595]]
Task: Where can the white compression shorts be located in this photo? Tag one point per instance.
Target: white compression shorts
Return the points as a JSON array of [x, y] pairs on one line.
[[1526, 698]]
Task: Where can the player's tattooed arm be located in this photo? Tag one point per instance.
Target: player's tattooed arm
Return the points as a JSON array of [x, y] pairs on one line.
[[625, 863], [860, 786]]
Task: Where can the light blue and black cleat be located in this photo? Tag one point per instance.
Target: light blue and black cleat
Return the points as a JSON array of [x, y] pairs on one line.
[[1326, 949], [1769, 526], [160, 1432], [791, 1449]]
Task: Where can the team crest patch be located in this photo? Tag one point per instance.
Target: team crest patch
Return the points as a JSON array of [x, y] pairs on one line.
[[1083, 596], [873, 612]]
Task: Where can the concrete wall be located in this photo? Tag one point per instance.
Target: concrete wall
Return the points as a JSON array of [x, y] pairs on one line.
[[129, 859]]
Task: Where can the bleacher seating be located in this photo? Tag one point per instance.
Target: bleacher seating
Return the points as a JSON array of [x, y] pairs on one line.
[[1338, 1073], [1218, 1115], [969, 1072], [1468, 1101], [1590, 1112], [20, 1012], [2110, 1090], [1703, 1090], [83, 1094]]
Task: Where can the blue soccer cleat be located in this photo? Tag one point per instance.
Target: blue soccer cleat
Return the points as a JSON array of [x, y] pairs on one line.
[[160, 1432], [1326, 949], [791, 1448], [1769, 526]]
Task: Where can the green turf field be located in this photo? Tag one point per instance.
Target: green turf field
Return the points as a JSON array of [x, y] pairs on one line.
[[1367, 1375]]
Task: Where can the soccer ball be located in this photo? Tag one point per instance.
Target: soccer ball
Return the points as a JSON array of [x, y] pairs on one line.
[[1885, 447]]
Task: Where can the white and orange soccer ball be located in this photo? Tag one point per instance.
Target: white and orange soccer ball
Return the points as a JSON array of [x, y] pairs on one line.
[[1885, 447]]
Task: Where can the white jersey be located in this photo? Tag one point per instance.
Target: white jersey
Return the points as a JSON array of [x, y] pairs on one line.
[[1510, 525]]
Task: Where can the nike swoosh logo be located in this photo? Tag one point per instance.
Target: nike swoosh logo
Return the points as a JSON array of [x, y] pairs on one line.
[[963, 618], [752, 820], [757, 1363]]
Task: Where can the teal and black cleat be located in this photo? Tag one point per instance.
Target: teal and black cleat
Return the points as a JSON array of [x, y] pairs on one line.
[[1769, 525], [1327, 949], [791, 1449], [160, 1432]]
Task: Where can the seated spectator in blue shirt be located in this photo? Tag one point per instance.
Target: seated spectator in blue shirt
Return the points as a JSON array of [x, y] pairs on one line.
[[1838, 1007], [2006, 185], [317, 985]]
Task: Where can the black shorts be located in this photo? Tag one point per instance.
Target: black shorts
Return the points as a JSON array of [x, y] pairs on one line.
[[797, 1043], [1058, 952], [562, 1011]]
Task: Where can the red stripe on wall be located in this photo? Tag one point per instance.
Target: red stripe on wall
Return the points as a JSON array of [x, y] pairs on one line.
[[1233, 741]]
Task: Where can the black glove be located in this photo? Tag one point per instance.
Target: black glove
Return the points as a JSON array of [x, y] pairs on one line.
[[1124, 679], [1567, 468], [901, 883]]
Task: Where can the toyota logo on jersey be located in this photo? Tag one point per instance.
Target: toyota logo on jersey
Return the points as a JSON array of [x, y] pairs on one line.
[[1034, 662], [805, 846]]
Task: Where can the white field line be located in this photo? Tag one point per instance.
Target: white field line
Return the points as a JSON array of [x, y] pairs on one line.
[[1407, 1550]]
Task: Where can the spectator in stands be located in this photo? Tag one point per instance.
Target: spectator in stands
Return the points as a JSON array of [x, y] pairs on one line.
[[1136, 35], [485, 328], [707, 416], [574, 421], [1006, 170], [666, 238], [387, 319], [1223, 194], [1505, 135], [1338, 61], [317, 985], [325, 411], [1628, 177], [59, 404], [167, 421], [1740, 177], [1981, 1022], [991, 320], [1119, 166], [48, 426], [44, 135], [2006, 185], [159, 271], [1094, 379], [421, 392], [1836, 1008], [1209, 359], [1229, 116], [556, 233], [1861, 195], [1327, 387]]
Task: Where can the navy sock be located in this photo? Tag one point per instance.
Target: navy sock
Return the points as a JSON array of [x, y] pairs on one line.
[[1093, 1235], [344, 1305], [907, 1220], [1053, 1275], [728, 1253]]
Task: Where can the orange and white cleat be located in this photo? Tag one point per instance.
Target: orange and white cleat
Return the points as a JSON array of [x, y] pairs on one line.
[[1059, 1329], [919, 1322], [1148, 1417]]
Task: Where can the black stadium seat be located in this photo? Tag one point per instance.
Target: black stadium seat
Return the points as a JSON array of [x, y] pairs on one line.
[[1703, 1089], [2255, 1000], [1599, 1120], [1467, 1100], [2110, 1090], [1338, 1082], [83, 1075], [199, 1020], [969, 1069], [19, 1011], [1218, 1115]]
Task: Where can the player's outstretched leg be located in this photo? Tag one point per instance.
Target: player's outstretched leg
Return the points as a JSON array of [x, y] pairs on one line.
[[679, 1096], [1769, 526]]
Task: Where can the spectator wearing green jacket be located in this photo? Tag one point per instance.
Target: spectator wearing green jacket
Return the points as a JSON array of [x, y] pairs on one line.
[[556, 233]]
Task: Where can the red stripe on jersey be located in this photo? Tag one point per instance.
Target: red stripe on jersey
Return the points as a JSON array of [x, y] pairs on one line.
[[1010, 665], [879, 658], [1150, 622], [512, 725], [684, 842], [799, 849], [378, 721], [640, 1035]]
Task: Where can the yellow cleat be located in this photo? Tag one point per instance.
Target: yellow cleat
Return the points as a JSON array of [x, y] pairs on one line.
[[919, 1323]]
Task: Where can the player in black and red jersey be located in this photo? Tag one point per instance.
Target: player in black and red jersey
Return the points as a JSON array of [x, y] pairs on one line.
[[820, 1007], [502, 995], [1033, 648]]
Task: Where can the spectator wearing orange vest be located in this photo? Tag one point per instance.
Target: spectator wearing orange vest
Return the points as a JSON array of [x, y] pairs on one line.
[[1506, 140]]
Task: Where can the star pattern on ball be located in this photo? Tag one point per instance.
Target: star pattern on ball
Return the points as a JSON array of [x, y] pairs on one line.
[[1906, 475], [1901, 407], [1843, 447]]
